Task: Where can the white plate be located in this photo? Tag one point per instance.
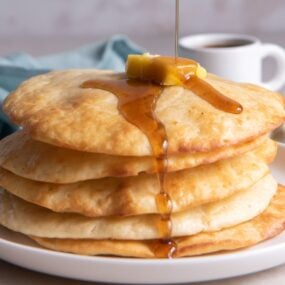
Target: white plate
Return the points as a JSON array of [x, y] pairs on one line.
[[19, 250]]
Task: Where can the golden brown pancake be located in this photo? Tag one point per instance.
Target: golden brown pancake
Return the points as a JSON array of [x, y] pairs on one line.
[[21, 216], [267, 225], [53, 108], [74, 138], [136, 195], [35, 160]]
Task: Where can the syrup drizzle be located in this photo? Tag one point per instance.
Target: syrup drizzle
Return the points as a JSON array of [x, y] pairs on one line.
[[137, 102], [176, 42], [208, 93]]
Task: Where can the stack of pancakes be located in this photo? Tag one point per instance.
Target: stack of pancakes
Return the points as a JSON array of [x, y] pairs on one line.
[[79, 178]]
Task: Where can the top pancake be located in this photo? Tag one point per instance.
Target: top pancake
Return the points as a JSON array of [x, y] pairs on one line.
[[54, 109]]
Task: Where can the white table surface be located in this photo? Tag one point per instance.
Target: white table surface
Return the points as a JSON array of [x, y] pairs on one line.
[[13, 275]]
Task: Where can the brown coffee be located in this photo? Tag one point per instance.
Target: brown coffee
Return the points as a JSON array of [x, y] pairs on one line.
[[227, 44]]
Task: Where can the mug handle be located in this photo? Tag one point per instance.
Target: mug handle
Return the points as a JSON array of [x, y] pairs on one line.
[[277, 53]]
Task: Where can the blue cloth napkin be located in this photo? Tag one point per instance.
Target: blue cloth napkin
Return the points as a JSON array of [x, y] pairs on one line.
[[16, 68]]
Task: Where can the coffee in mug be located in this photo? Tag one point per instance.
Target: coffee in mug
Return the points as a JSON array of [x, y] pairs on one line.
[[234, 56]]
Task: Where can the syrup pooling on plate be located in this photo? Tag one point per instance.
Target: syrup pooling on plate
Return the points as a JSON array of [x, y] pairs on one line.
[[136, 102]]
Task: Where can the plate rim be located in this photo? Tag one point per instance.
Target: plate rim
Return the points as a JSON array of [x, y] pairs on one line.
[[182, 266]]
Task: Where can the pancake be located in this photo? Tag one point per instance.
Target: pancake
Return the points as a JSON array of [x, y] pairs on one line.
[[267, 225], [136, 195], [53, 108], [29, 219], [267, 151], [43, 162]]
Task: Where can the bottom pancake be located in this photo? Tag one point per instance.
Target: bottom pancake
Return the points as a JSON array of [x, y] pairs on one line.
[[267, 225]]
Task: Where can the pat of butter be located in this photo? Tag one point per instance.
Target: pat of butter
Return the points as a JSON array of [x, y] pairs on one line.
[[163, 70]]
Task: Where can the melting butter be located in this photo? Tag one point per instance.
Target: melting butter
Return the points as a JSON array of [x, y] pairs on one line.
[[163, 70]]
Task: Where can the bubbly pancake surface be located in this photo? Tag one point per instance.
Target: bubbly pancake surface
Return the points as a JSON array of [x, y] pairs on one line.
[[35, 160], [136, 195], [54, 109], [268, 224], [30, 219]]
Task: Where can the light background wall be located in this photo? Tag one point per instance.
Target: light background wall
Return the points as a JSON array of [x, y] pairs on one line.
[[41, 26]]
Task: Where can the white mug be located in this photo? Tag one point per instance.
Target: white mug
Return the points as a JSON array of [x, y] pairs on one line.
[[236, 57]]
